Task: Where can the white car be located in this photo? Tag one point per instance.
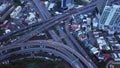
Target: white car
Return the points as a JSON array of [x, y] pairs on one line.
[[57, 12]]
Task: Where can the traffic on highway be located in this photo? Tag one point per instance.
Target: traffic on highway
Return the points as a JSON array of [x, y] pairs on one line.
[[72, 30]]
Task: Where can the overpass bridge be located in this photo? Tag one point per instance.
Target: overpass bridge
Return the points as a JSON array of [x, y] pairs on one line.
[[58, 49], [50, 21], [23, 37]]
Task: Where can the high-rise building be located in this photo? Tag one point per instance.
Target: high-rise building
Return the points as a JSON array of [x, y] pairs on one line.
[[110, 17]]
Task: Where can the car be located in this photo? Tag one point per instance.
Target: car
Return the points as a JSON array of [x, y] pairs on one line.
[[57, 13], [5, 22], [94, 50], [7, 31], [81, 16]]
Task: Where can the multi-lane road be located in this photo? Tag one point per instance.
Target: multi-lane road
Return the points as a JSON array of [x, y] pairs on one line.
[[41, 28], [71, 54], [79, 47], [44, 13], [81, 10], [51, 23], [63, 51]]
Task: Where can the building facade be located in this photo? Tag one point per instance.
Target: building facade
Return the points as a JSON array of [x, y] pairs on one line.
[[110, 17]]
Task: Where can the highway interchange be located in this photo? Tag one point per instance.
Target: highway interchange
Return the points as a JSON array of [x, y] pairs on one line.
[[72, 53]]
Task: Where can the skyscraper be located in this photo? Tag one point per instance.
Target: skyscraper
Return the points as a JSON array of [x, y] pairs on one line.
[[110, 17]]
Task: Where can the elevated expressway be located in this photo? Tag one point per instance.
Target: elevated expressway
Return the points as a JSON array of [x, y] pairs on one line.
[[44, 13], [65, 52], [80, 49], [52, 20]]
